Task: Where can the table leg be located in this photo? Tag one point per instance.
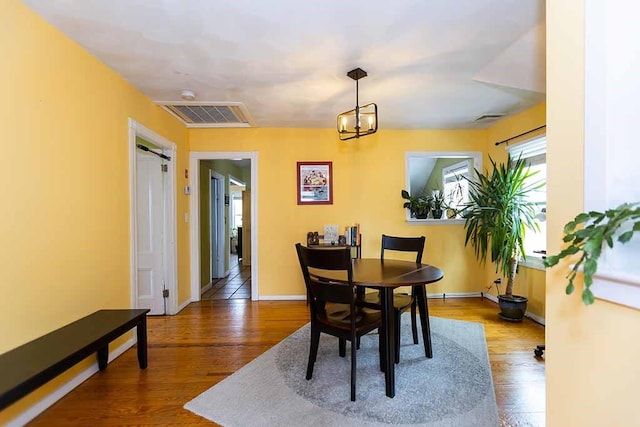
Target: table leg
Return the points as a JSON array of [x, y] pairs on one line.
[[423, 308], [103, 357], [386, 295], [141, 330]]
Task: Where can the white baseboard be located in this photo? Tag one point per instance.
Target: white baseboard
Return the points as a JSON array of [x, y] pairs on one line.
[[282, 297], [304, 297], [45, 403], [445, 295], [535, 318], [183, 305], [489, 297], [205, 288], [531, 316]]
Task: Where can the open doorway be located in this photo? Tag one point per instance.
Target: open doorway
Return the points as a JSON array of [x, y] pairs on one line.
[[237, 170], [236, 190]]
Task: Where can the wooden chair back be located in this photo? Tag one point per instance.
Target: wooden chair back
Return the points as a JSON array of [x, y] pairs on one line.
[[327, 259], [403, 244]]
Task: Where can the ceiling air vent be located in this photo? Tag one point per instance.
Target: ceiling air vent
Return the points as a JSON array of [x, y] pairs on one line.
[[209, 114], [489, 117]]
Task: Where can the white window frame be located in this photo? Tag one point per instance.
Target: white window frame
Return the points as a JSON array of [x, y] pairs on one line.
[[477, 164], [611, 65], [528, 149]]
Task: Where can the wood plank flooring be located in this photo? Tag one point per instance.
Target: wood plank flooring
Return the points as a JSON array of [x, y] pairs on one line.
[[209, 340]]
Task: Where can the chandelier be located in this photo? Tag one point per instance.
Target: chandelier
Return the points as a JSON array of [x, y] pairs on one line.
[[360, 121]]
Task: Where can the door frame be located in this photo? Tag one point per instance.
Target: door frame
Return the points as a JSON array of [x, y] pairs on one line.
[[219, 226], [169, 242], [194, 167]]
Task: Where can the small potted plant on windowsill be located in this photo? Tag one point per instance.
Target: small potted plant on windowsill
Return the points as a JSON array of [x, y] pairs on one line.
[[437, 201], [418, 206], [587, 234]]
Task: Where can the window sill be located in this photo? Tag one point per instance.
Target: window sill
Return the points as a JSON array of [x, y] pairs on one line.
[[620, 288], [532, 261], [431, 221]]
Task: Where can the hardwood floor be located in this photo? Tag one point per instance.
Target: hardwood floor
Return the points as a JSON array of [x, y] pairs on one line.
[[209, 340], [236, 285]]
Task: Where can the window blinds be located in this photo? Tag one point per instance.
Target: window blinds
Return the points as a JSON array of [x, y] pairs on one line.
[[534, 151]]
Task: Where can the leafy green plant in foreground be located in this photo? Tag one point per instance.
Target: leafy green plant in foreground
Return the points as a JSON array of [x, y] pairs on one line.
[[587, 241]]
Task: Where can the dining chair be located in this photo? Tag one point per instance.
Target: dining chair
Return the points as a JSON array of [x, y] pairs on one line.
[[333, 307], [401, 301]]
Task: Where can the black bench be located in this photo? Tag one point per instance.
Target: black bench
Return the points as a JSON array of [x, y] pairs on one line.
[[29, 366]]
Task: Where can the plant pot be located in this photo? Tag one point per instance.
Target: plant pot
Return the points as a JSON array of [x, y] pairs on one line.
[[422, 215], [513, 308], [451, 213], [437, 213]]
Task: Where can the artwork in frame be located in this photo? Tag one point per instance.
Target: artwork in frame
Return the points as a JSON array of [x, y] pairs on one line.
[[315, 183]]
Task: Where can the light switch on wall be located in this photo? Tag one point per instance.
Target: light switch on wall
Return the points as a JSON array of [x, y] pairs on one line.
[[186, 218]]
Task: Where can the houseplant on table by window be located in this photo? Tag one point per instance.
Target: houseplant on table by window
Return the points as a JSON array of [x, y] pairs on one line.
[[496, 218], [587, 235]]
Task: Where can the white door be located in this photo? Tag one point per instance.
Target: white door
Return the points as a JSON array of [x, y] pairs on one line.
[[216, 225], [150, 205], [246, 227], [213, 227]]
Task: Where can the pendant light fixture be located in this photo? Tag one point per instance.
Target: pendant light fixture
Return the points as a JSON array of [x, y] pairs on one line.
[[360, 121]]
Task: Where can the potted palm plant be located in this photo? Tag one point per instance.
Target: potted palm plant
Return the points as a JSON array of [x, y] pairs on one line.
[[496, 218]]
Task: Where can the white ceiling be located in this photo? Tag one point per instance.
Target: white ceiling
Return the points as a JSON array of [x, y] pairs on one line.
[[431, 63]]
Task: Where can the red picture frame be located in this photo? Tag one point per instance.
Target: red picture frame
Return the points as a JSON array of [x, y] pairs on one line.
[[315, 183]]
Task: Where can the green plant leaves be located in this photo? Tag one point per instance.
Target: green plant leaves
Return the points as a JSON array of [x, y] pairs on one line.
[[498, 214], [626, 236], [587, 297], [598, 228]]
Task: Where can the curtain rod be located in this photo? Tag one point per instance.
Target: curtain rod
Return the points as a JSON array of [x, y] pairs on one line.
[[147, 149], [522, 134]]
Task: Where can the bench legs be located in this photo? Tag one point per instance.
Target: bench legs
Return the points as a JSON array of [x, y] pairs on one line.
[[142, 342], [103, 357], [141, 329]]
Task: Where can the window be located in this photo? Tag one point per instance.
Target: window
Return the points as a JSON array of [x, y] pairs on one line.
[[535, 153], [429, 172], [237, 211], [455, 186]]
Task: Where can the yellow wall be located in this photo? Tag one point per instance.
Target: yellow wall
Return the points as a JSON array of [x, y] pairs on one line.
[[65, 193], [65, 184], [593, 352], [368, 176]]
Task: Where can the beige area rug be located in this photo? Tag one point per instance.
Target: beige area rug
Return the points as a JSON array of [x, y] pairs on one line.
[[452, 389]]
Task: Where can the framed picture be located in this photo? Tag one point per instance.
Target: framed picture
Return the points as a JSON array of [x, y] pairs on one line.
[[315, 183]]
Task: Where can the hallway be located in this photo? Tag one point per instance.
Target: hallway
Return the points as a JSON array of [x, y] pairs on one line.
[[237, 285]]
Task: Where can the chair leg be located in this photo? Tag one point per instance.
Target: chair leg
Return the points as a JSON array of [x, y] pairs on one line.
[[382, 347], [397, 313], [353, 369], [313, 351], [342, 347], [381, 351], [414, 323]]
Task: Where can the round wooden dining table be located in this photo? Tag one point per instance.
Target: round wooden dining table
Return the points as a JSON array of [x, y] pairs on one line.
[[386, 275]]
